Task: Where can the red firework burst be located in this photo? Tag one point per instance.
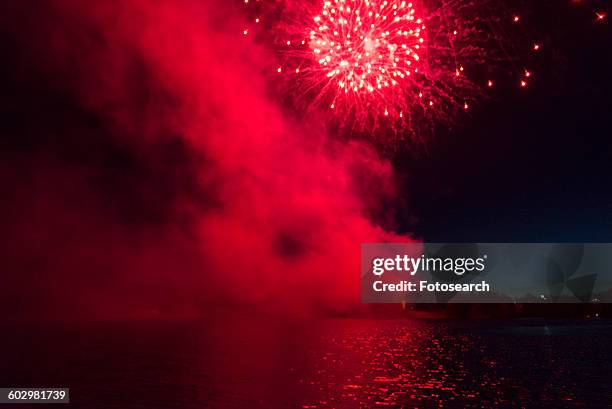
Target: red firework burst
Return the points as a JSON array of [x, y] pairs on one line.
[[389, 65], [396, 67]]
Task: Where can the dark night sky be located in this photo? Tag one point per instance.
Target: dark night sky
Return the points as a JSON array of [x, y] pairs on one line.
[[532, 165]]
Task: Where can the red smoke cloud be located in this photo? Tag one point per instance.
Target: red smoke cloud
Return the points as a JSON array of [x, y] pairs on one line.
[[200, 188]]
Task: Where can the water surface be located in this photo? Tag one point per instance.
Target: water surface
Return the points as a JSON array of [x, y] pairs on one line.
[[328, 363]]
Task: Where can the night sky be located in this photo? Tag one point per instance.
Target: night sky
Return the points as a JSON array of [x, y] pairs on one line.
[[531, 165]]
